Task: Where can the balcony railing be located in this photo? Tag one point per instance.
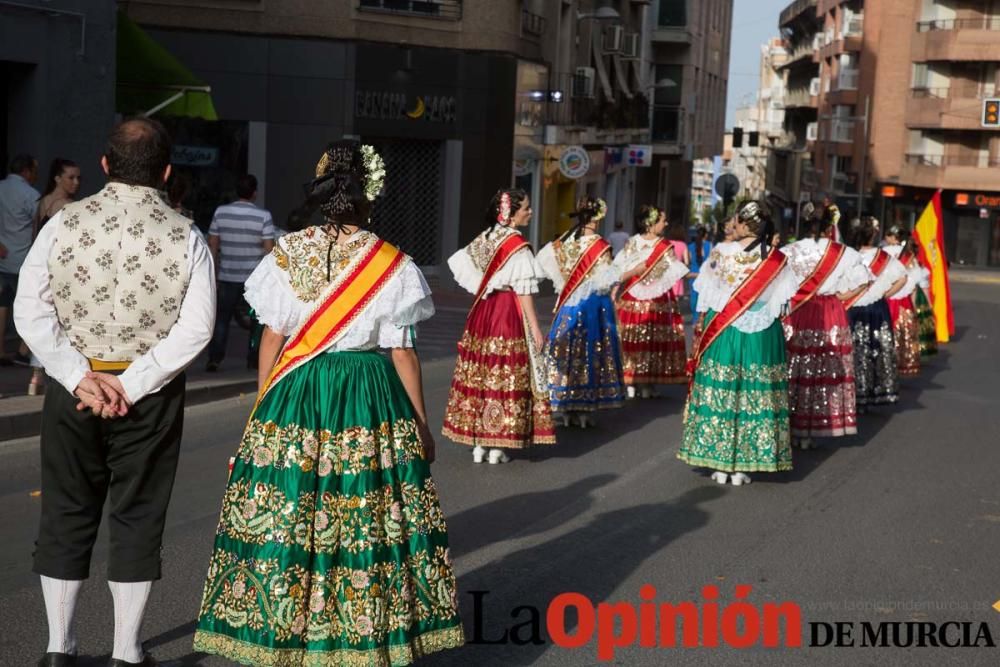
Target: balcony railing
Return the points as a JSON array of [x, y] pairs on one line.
[[598, 112], [925, 160], [982, 23], [437, 9], [842, 131], [854, 27], [796, 9]]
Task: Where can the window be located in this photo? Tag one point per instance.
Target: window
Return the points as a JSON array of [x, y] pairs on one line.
[[673, 14], [446, 9], [668, 94]]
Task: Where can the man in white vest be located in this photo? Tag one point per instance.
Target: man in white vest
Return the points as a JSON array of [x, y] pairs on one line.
[[116, 298]]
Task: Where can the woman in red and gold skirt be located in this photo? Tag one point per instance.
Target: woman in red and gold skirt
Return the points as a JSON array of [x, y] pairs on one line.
[[821, 387], [905, 323], [499, 393], [649, 320]]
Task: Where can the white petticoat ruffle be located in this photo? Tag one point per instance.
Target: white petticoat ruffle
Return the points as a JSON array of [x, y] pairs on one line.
[[520, 273], [714, 295], [600, 281], [384, 323]]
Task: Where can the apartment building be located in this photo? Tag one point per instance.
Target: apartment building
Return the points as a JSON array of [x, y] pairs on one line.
[[703, 175], [899, 92]]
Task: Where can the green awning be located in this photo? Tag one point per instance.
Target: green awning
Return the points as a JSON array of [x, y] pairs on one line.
[[151, 81]]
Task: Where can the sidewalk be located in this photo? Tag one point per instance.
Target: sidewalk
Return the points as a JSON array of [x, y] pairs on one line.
[[20, 415]]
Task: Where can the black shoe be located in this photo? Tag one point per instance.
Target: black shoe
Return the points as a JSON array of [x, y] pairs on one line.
[[57, 660], [212, 367], [147, 661]]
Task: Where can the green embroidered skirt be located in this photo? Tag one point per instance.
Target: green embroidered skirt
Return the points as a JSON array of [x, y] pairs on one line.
[[736, 417], [332, 548]]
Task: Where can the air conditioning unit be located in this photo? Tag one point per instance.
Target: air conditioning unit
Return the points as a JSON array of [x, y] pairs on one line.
[[583, 83], [812, 131], [814, 87], [630, 46], [614, 35]]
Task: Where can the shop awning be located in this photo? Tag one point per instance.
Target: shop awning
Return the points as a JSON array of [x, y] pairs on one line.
[[151, 81]]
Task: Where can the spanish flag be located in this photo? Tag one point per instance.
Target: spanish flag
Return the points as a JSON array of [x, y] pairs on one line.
[[929, 235]]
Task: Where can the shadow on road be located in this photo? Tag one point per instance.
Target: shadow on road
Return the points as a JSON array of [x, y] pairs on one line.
[[594, 560]]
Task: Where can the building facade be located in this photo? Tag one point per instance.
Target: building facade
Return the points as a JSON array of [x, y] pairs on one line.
[[57, 79], [895, 112]]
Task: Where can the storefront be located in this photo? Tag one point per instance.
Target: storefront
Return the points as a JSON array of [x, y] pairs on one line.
[[971, 221]]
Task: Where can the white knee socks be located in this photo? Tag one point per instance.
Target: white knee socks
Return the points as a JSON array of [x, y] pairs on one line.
[[60, 605], [130, 605]]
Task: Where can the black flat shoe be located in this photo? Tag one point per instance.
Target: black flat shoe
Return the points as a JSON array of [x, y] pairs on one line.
[[147, 661], [57, 660]]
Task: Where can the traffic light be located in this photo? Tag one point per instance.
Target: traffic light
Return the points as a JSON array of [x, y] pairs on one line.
[[991, 113], [754, 139], [737, 137]]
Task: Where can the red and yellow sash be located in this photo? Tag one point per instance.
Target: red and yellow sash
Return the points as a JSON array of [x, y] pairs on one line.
[[824, 269], [584, 266], [343, 302], [749, 291], [878, 265], [501, 255], [659, 250]]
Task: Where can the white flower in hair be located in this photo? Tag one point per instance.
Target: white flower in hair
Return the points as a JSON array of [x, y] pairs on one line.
[[374, 172]]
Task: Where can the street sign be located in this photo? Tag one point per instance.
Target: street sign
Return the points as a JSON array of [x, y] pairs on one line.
[[727, 186]]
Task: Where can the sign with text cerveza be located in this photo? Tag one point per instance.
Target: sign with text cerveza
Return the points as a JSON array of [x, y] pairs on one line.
[[385, 105], [195, 156]]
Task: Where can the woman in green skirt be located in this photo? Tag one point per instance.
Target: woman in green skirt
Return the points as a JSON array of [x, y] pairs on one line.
[[332, 548], [736, 417]]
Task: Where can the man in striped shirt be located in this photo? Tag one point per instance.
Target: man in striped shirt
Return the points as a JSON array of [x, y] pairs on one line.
[[241, 234]]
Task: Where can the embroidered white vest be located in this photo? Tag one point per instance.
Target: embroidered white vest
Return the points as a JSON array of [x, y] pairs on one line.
[[119, 271]]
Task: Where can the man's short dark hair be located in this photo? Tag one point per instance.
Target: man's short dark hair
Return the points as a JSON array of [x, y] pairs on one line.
[[138, 152], [619, 225], [22, 163], [246, 186]]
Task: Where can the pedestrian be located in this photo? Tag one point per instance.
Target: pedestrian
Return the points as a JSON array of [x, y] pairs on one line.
[[240, 235], [697, 252], [583, 348], [116, 299], [18, 208], [654, 348], [736, 418], [332, 548], [820, 350], [499, 393], [618, 238], [902, 311], [677, 237], [61, 189], [876, 375]]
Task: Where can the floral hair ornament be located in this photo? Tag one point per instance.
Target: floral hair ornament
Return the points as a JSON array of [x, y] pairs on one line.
[[652, 217], [374, 172], [602, 210], [503, 217]]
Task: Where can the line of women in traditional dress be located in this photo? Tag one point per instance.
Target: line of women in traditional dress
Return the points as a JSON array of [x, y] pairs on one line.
[[790, 343]]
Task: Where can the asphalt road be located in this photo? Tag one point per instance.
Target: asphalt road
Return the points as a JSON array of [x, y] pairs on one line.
[[901, 523]]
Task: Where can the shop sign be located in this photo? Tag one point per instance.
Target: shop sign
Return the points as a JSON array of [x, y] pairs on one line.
[[978, 200], [195, 156], [384, 105], [984, 213], [574, 162], [639, 155], [614, 158]]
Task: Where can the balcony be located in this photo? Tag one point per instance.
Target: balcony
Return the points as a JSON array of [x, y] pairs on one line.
[[672, 35], [799, 8], [801, 98], [841, 131], [938, 108], [532, 25], [450, 10], [951, 172], [805, 53], [972, 40]]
